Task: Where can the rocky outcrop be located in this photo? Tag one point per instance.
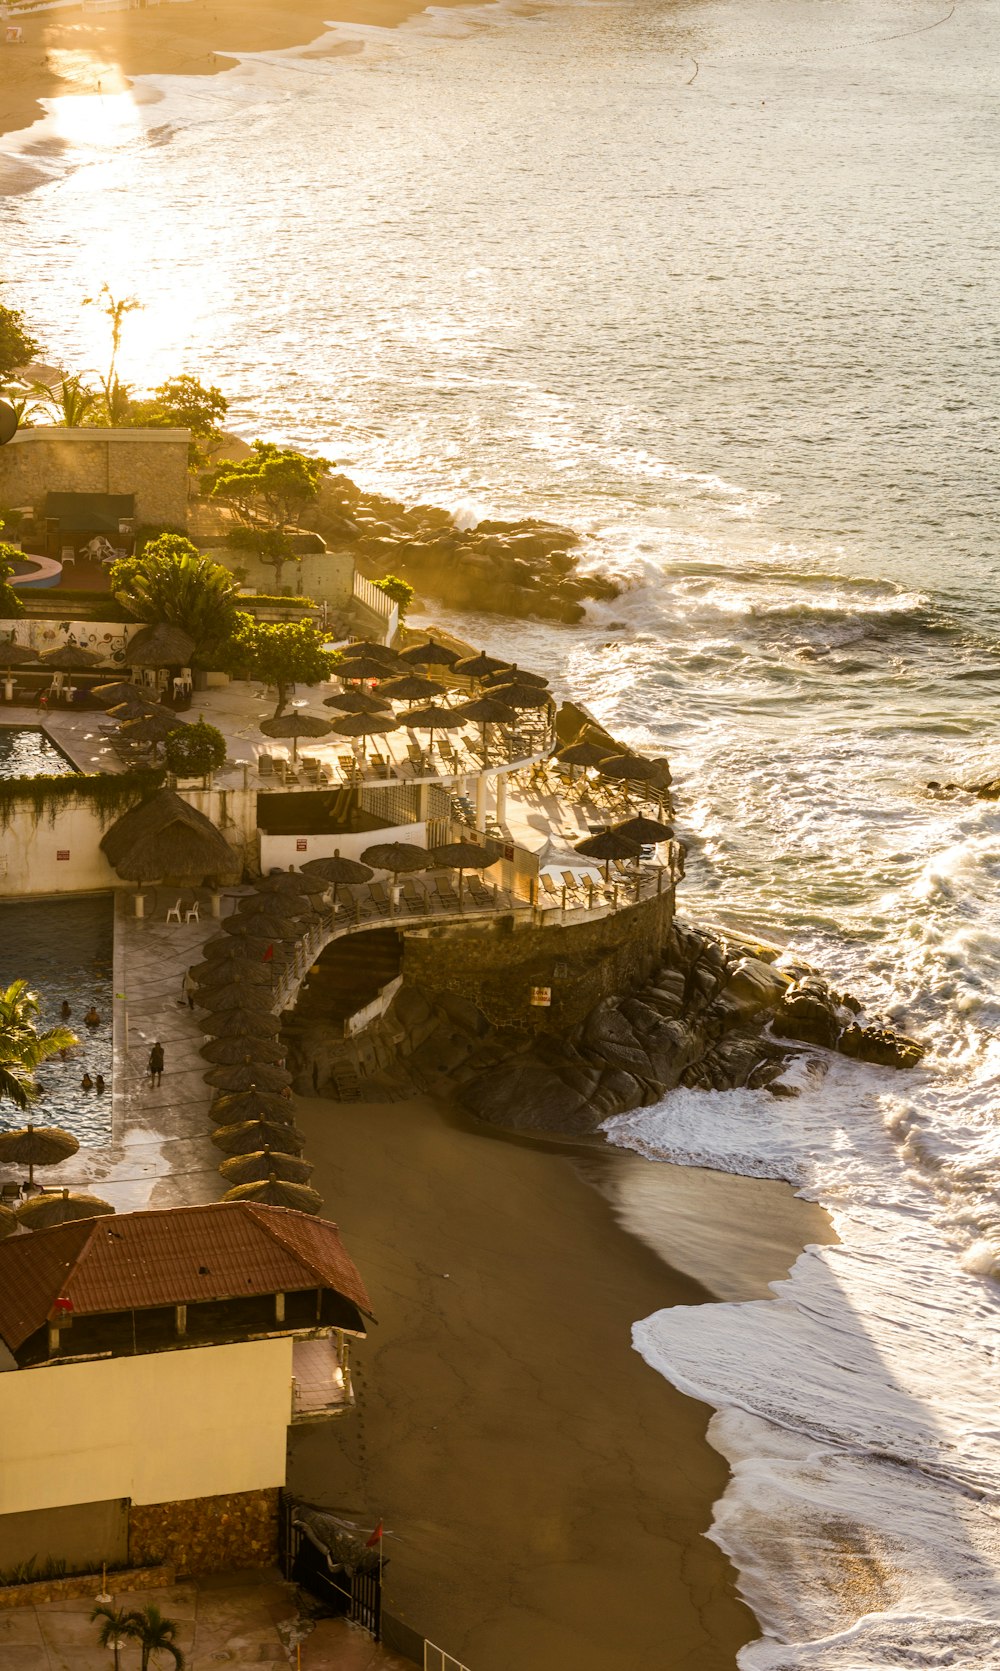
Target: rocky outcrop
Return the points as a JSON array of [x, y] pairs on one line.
[[524, 569], [714, 1015]]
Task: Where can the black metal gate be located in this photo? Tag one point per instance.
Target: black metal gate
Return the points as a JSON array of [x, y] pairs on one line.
[[357, 1595]]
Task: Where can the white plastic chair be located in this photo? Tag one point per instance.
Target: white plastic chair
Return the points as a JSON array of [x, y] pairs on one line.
[[191, 914], [174, 914], [67, 555]]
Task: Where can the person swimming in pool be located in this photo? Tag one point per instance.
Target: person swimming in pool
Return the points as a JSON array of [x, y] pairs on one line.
[[93, 1017], [86, 1083]]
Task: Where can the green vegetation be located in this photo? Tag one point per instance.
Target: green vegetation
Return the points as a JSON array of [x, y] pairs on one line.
[[400, 591], [10, 603], [112, 793], [16, 346], [267, 493], [171, 582], [154, 1633], [70, 402], [282, 653], [23, 1048], [195, 750]]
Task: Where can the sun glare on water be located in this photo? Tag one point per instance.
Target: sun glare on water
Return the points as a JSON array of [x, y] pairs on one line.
[[100, 120]]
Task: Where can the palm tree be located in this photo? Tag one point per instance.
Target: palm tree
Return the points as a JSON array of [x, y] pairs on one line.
[[22, 1047], [156, 1635], [116, 311], [71, 400], [119, 1627]]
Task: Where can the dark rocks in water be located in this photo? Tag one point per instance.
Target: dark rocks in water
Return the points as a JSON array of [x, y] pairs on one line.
[[807, 1012], [988, 791], [880, 1045]]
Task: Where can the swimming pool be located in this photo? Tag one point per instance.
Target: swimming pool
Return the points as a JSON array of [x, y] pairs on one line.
[[28, 752], [64, 948]]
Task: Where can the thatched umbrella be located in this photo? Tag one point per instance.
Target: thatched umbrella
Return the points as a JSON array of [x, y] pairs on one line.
[[164, 836], [630, 768], [477, 667], [513, 675], [295, 725], [295, 905], [226, 1051], [16, 655], [249, 1075], [71, 658], [434, 719], [369, 665], [648, 832], [521, 695], [265, 1163], [242, 1024], [240, 1106], [160, 646], [8, 1222], [116, 691], [367, 647], [274, 1192], [485, 710], [263, 926], [246, 1137], [429, 653], [356, 702], [33, 1146], [220, 971], [46, 1210], [154, 726], [463, 856], [397, 856], [295, 881], [365, 725], [585, 753], [138, 706], [608, 845], [337, 871], [249, 948], [412, 687], [235, 995]]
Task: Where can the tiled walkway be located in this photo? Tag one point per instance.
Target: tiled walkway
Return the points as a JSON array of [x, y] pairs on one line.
[[234, 1619]]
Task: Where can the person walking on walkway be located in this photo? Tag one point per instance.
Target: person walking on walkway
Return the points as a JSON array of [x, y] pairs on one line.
[[155, 1064], [189, 987]]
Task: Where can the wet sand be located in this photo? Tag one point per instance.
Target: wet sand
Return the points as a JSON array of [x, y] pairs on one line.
[[544, 1492], [69, 52]]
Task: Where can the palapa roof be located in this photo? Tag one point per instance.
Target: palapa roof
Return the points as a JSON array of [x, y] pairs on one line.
[[160, 646], [165, 836], [175, 1256]]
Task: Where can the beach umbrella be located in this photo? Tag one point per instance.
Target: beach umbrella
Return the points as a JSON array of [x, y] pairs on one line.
[[434, 719], [229, 1107], [246, 1076], [366, 647], [521, 695], [365, 725], [138, 706], [226, 1051], [513, 675], [117, 690], [265, 1163], [277, 902], [241, 1024], [478, 667], [33, 1146], [274, 1192], [585, 753], [356, 702], [16, 655], [296, 882], [8, 1222], [159, 646], [336, 872], [397, 856], [608, 845], [633, 767], [248, 948], [66, 1208], [295, 725], [71, 658], [463, 856], [429, 653], [484, 711], [366, 666], [246, 1137], [219, 971], [412, 687], [235, 995], [152, 727], [648, 832], [262, 926]]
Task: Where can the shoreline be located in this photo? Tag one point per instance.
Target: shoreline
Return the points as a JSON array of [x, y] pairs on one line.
[[67, 53], [545, 1495]]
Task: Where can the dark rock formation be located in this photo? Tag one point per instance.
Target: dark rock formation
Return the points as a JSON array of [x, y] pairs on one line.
[[523, 569]]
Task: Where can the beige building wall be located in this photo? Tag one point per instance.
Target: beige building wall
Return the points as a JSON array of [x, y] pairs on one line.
[[151, 463], [325, 576], [159, 1428]]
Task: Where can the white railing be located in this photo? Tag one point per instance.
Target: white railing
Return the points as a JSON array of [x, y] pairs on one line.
[[378, 603], [435, 1659]]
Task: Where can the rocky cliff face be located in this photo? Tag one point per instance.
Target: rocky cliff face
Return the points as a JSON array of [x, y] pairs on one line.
[[524, 569], [715, 1014]]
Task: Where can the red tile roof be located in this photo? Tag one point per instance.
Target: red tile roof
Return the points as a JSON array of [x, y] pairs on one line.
[[175, 1256]]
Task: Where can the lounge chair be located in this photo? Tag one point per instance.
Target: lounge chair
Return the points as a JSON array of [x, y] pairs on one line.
[[265, 765], [415, 898], [379, 898], [446, 893], [549, 886]]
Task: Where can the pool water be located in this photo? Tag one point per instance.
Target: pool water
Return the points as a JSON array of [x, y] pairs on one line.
[[26, 752], [64, 948]]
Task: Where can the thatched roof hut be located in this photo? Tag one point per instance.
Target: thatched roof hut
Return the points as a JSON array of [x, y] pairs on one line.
[[165, 837], [160, 646]]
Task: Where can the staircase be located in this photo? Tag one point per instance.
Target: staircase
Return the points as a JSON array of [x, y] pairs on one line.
[[349, 974]]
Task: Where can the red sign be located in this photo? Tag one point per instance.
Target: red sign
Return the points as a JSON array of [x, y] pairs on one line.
[[62, 853], [301, 844]]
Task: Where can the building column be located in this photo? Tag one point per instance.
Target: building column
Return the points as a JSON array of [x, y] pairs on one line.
[[502, 798], [481, 801]]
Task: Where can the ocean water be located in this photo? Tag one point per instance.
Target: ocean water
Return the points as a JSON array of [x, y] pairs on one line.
[[717, 286]]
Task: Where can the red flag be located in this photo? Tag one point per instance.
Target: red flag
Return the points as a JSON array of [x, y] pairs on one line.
[[375, 1538], [268, 955]]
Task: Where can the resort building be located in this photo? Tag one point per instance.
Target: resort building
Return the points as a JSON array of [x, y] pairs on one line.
[[80, 483], [151, 1364]]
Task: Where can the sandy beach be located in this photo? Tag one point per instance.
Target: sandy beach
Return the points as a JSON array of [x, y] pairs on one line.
[[69, 52], [544, 1492]]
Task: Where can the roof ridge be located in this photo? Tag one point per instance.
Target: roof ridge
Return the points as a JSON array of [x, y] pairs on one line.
[[272, 1227]]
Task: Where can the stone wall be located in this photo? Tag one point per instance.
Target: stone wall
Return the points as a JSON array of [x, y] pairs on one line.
[[86, 1584], [207, 1534], [152, 464], [496, 965]]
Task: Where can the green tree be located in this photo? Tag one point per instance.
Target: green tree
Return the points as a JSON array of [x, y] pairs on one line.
[[400, 591], [184, 403], [281, 653], [70, 402], [16, 346], [270, 491], [117, 1628], [270, 546], [195, 750], [156, 1635], [10, 603], [170, 581], [22, 1047]]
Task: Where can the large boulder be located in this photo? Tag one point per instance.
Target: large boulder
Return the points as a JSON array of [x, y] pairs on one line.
[[881, 1045], [808, 1012], [753, 988]]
